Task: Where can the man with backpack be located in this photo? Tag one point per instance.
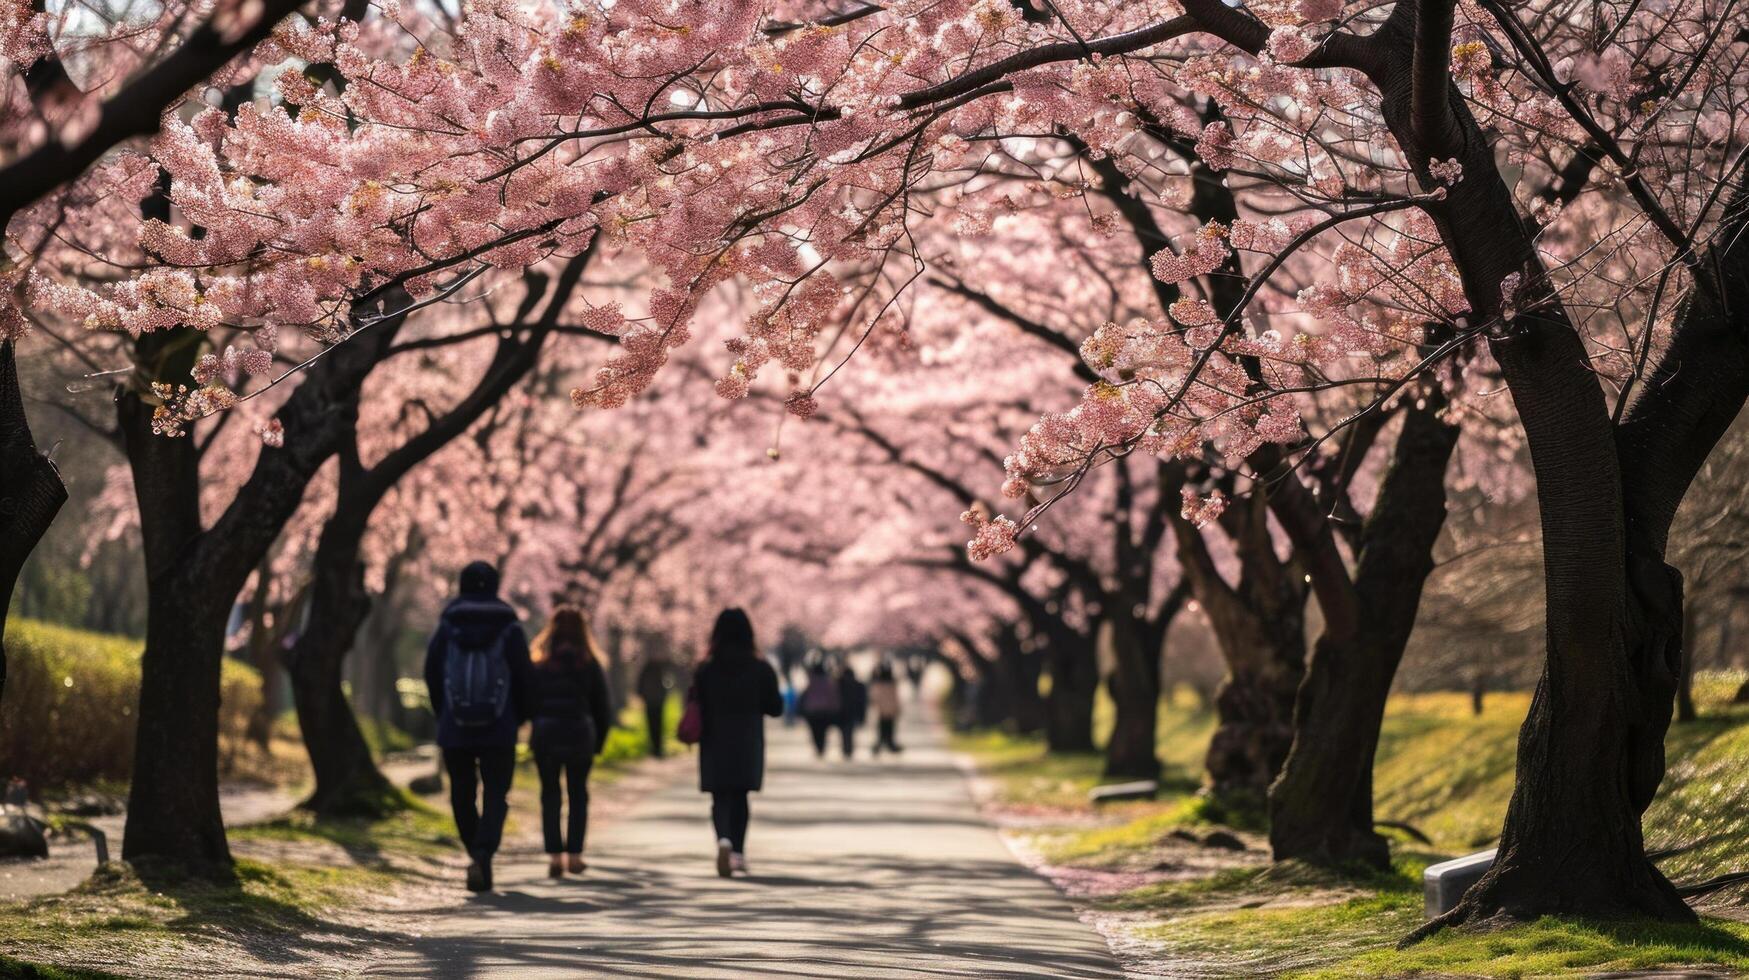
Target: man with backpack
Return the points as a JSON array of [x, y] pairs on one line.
[[477, 670]]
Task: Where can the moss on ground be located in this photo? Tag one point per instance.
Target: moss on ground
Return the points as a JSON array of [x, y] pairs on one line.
[[1441, 768], [11, 969], [119, 914], [414, 827]]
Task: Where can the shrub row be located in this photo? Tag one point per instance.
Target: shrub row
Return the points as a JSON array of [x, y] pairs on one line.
[[68, 714]]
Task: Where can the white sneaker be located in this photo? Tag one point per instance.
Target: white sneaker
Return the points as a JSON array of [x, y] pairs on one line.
[[725, 858], [738, 862]]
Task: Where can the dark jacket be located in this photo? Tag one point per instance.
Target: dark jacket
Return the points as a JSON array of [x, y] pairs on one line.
[[821, 702], [569, 706], [736, 695], [653, 682], [852, 700], [478, 619]]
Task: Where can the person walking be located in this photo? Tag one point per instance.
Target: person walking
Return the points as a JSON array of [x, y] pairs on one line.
[[477, 673], [852, 709], [883, 695], [736, 692], [819, 706], [653, 684], [571, 718]]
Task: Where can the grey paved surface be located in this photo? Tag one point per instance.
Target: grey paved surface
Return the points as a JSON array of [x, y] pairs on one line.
[[866, 869]]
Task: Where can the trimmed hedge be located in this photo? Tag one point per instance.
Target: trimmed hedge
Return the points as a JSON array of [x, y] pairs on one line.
[[68, 713]]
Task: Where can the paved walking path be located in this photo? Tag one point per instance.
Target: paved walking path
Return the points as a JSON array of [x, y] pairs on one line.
[[866, 869]]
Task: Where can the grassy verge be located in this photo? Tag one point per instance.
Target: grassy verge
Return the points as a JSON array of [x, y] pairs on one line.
[[1441, 767], [417, 828], [307, 896], [13, 969], [299, 905]]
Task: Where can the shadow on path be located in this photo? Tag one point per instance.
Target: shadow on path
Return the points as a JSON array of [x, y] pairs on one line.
[[866, 869]]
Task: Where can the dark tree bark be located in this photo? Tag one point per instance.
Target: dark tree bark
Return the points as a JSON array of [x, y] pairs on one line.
[[1685, 687], [984, 702], [1016, 672], [1320, 807], [134, 111], [31, 492], [348, 782], [1074, 670], [173, 798], [194, 572], [1134, 686], [264, 654], [1591, 750], [1259, 625]]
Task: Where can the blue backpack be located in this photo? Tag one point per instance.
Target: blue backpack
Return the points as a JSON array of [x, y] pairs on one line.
[[476, 680]]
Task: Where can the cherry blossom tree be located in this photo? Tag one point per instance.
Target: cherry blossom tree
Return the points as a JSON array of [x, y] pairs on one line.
[[347, 780], [74, 87], [803, 153]]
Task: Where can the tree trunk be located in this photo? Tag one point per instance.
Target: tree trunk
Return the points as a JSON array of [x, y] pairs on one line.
[[1320, 808], [616, 669], [1254, 707], [1018, 671], [1685, 684], [989, 707], [263, 653], [31, 492], [1134, 686], [348, 783], [1074, 684], [1591, 752], [194, 573], [173, 797]]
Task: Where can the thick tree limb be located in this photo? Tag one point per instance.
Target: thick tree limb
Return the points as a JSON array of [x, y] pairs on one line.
[[134, 111], [31, 491]]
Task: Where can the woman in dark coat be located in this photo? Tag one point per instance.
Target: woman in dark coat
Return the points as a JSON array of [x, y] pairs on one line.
[[736, 692], [571, 718]]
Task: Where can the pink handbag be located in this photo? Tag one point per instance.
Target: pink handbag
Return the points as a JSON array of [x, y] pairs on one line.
[[691, 729]]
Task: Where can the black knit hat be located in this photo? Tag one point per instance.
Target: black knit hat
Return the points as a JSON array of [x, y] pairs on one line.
[[479, 578]]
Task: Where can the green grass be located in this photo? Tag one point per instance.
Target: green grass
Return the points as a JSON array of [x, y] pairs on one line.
[[263, 904], [297, 900], [383, 736], [1553, 947], [11, 969], [629, 741], [1441, 768], [1302, 922], [417, 827], [1112, 843]]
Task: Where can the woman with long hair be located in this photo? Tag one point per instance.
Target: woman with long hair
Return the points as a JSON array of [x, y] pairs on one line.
[[571, 720], [736, 691]]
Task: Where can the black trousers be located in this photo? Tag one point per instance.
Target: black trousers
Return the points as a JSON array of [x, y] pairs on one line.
[[480, 772], [819, 727], [653, 721], [888, 728], [571, 764], [729, 816], [847, 737]]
